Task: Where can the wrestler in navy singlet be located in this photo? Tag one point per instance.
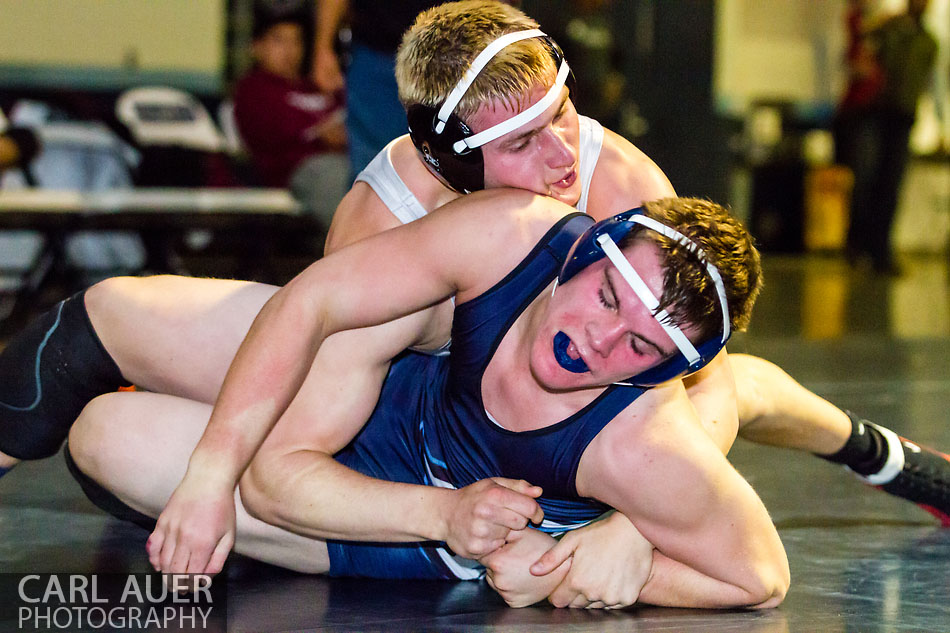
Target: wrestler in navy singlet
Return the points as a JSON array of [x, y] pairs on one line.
[[430, 425]]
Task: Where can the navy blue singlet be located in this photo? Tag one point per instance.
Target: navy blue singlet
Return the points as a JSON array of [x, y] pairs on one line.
[[430, 425]]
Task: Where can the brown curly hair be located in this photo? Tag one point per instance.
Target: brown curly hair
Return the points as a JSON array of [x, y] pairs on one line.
[[689, 294]]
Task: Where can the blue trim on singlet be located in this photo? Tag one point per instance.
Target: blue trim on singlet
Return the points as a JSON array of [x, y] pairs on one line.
[[37, 380], [430, 426], [390, 447]]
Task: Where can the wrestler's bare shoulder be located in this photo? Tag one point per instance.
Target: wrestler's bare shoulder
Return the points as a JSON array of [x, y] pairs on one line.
[[625, 178], [656, 424], [360, 214], [659, 416], [474, 226], [507, 216]]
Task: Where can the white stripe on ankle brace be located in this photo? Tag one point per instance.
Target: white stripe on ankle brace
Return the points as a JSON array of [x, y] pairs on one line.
[[895, 458]]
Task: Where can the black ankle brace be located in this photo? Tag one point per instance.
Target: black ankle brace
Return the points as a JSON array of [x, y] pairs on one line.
[[48, 373], [865, 452]]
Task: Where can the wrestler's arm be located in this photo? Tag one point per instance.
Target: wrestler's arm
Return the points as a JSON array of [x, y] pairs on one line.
[[374, 281], [715, 543], [195, 530], [358, 286], [294, 481]]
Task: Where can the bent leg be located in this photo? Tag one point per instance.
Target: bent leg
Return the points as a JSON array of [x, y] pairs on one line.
[[167, 334], [137, 446], [175, 335], [775, 410]]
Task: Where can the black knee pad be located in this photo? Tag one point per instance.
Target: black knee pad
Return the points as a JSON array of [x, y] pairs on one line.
[[48, 373]]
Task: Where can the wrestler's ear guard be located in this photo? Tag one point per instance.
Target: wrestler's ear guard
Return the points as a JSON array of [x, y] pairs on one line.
[[449, 148], [600, 240], [462, 171]]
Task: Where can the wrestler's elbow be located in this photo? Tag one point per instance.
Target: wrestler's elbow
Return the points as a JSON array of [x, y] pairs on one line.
[[771, 584], [256, 494], [778, 591], [773, 598]]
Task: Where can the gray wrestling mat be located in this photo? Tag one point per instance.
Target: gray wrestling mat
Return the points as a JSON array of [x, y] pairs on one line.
[[861, 560]]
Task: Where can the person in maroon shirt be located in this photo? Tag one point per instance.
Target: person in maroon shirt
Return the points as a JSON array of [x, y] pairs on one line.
[[294, 132], [865, 75]]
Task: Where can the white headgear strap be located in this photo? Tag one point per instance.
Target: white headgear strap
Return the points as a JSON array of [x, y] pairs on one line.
[[644, 293], [468, 78]]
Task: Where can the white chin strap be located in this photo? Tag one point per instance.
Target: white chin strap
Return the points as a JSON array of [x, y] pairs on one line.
[[645, 295], [508, 125]]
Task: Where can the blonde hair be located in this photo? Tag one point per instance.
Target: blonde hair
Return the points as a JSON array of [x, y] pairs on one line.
[[440, 46]]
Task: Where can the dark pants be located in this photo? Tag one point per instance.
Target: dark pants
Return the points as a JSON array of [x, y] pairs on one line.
[[874, 144], [374, 114]]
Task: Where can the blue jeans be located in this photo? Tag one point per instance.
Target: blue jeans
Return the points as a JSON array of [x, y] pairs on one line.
[[374, 115]]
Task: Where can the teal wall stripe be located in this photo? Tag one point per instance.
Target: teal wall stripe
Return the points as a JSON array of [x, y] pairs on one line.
[[91, 78]]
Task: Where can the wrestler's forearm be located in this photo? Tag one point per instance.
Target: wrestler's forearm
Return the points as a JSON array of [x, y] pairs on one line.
[[311, 494], [729, 556], [225, 450], [673, 584], [693, 506], [271, 365], [733, 558], [252, 398]]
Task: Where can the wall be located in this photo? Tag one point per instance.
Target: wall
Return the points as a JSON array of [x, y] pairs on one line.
[[780, 50], [111, 43], [792, 51]]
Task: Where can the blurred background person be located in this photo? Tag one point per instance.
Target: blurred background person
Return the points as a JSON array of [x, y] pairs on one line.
[[374, 114], [889, 68], [18, 146], [865, 75], [294, 132]]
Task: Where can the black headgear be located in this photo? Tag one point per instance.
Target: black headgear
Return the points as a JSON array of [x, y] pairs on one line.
[[448, 147]]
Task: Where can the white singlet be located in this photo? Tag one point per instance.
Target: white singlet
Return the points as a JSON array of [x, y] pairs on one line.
[[381, 175]]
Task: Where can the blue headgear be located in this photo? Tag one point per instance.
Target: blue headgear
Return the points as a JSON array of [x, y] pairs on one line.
[[600, 241], [449, 148]]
